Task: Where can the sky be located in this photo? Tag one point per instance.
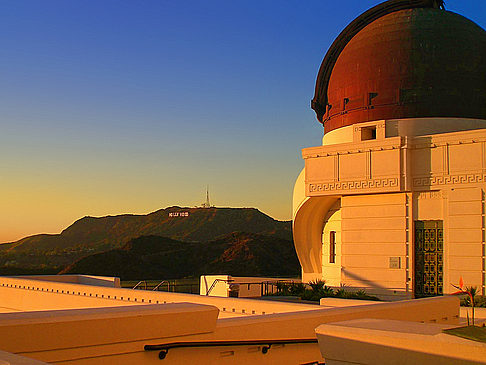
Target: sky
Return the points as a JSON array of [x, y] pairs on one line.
[[115, 106]]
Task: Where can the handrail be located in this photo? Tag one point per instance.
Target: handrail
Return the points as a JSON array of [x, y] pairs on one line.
[[266, 344], [139, 283], [261, 283], [217, 281], [162, 282], [272, 282]]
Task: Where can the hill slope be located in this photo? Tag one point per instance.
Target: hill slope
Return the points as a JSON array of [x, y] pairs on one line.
[[90, 235], [155, 257]]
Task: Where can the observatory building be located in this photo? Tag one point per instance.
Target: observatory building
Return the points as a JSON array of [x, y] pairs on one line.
[[393, 201]]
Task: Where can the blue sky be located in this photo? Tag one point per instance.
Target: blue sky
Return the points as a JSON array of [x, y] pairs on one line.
[[110, 107]]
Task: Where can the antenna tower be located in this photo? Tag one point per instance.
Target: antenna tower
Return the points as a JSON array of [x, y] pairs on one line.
[[207, 203]]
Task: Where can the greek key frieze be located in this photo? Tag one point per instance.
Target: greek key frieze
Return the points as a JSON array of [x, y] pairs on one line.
[[449, 179], [354, 185]]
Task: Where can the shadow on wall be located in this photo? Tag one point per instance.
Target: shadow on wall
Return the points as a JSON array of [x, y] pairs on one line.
[[375, 288]]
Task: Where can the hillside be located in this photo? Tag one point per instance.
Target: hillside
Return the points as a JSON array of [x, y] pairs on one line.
[[155, 257], [91, 235]]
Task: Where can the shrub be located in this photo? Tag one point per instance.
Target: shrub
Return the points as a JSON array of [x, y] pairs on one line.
[[317, 285], [283, 288], [341, 292], [479, 301], [286, 288], [296, 288], [317, 289], [328, 292]]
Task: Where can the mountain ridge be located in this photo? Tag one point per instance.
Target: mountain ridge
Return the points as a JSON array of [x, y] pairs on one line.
[[154, 257], [90, 235]]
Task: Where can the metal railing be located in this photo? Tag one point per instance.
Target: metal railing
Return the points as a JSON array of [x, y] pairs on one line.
[[266, 287], [266, 345], [156, 288], [165, 285], [216, 281], [271, 286], [140, 283]]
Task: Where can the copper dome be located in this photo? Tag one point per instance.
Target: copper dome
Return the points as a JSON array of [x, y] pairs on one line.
[[410, 63]]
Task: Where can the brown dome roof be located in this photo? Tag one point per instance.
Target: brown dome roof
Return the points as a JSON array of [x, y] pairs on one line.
[[411, 63]]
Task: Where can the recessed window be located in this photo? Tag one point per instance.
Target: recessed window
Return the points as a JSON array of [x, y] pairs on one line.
[[368, 133], [371, 96], [332, 247], [345, 102]]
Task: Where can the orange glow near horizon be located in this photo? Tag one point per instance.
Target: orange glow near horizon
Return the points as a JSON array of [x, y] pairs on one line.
[[29, 212]]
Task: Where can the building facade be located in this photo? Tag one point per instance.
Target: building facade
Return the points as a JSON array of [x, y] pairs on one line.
[[393, 201]]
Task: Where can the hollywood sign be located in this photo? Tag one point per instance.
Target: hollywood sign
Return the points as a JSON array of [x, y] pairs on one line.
[[179, 214]]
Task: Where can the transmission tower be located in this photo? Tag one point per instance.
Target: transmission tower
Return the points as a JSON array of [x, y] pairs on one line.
[[207, 203]]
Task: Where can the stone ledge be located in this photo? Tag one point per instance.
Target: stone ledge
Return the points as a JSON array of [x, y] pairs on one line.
[[376, 341]]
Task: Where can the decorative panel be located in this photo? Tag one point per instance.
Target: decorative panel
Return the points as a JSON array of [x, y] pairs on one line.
[[429, 260]]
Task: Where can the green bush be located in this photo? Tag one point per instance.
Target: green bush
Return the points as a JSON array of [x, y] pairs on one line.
[[479, 301], [283, 288], [289, 289], [297, 288], [317, 289], [317, 285]]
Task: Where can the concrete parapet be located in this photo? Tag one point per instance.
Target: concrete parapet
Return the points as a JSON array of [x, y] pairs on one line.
[[116, 324], [47, 331], [302, 325], [20, 294], [339, 302], [107, 281], [378, 341], [7, 358]]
